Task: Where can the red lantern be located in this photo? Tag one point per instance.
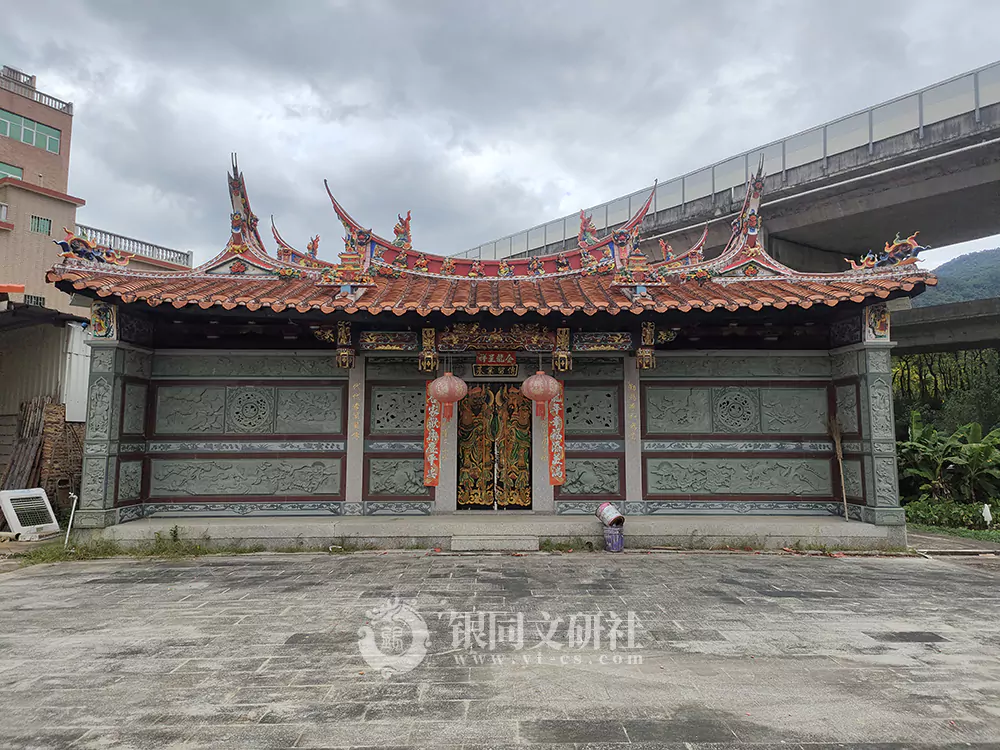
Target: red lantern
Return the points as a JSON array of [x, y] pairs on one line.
[[449, 390], [540, 388]]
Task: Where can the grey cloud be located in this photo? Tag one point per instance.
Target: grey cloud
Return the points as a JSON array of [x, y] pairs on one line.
[[593, 99]]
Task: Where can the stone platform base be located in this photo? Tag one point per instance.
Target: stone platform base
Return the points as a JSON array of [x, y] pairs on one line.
[[467, 531]]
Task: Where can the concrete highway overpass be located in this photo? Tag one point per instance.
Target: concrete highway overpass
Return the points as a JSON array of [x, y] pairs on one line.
[[947, 328], [927, 161]]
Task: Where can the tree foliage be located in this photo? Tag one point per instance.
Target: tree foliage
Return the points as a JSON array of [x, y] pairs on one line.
[[972, 276]]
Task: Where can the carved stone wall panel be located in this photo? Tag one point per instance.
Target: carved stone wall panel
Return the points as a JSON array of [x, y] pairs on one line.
[[102, 360], [886, 482], [134, 417], [95, 477], [880, 400], [99, 409], [736, 410], [844, 365], [249, 409], [138, 364], [794, 411], [592, 410], [678, 410], [250, 365], [197, 410], [740, 366], [245, 476], [879, 360], [738, 476], [847, 409], [592, 476], [853, 486], [393, 368], [310, 411], [585, 368], [397, 476], [397, 410], [129, 481]]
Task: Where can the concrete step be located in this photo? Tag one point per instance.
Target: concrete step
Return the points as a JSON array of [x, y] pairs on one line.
[[494, 543]]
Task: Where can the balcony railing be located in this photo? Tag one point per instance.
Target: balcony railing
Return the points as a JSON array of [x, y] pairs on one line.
[[138, 247], [20, 83]]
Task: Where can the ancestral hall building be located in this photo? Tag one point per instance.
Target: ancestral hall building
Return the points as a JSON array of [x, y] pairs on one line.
[[268, 385]]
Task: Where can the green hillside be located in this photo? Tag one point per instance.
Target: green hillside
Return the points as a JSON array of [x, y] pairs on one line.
[[972, 276]]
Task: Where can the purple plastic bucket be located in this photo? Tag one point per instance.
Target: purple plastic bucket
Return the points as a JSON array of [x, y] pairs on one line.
[[614, 539]]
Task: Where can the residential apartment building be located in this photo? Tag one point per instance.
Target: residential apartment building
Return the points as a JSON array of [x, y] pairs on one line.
[[43, 350]]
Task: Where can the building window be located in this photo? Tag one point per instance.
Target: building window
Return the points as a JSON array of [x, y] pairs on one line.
[[40, 225], [28, 131], [9, 170], [3, 212], [34, 299]]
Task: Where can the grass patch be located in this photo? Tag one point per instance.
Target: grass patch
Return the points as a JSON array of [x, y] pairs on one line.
[[983, 535], [575, 544]]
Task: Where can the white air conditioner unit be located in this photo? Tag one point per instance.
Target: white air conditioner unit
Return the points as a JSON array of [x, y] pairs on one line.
[[29, 514]]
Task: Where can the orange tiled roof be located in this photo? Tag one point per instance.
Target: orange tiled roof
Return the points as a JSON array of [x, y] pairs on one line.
[[609, 275], [427, 294]]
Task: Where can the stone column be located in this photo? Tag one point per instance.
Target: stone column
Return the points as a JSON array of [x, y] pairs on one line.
[[355, 460], [446, 493], [868, 358], [633, 441], [119, 374], [542, 491]]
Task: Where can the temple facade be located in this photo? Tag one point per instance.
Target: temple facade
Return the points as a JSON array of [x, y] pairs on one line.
[[281, 384]]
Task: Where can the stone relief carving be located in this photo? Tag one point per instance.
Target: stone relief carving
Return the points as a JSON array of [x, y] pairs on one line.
[[353, 509], [99, 410], [736, 446], [853, 486], [794, 410], [245, 476], [95, 449], [591, 410], [844, 365], [134, 419], [886, 490], [255, 365], [593, 446], [396, 476], [670, 410], [199, 409], [405, 508], [879, 360], [847, 409], [735, 410], [585, 368], [102, 360], [138, 364], [741, 367], [745, 507], [397, 411], [243, 509], [130, 480], [249, 409], [591, 476], [732, 476], [95, 472], [576, 507], [250, 446], [307, 411], [847, 331], [880, 397], [392, 368], [134, 328]]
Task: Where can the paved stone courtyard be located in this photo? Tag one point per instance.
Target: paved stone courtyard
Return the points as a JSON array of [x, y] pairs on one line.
[[736, 650]]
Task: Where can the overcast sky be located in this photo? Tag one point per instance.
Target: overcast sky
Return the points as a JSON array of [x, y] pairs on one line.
[[484, 118]]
